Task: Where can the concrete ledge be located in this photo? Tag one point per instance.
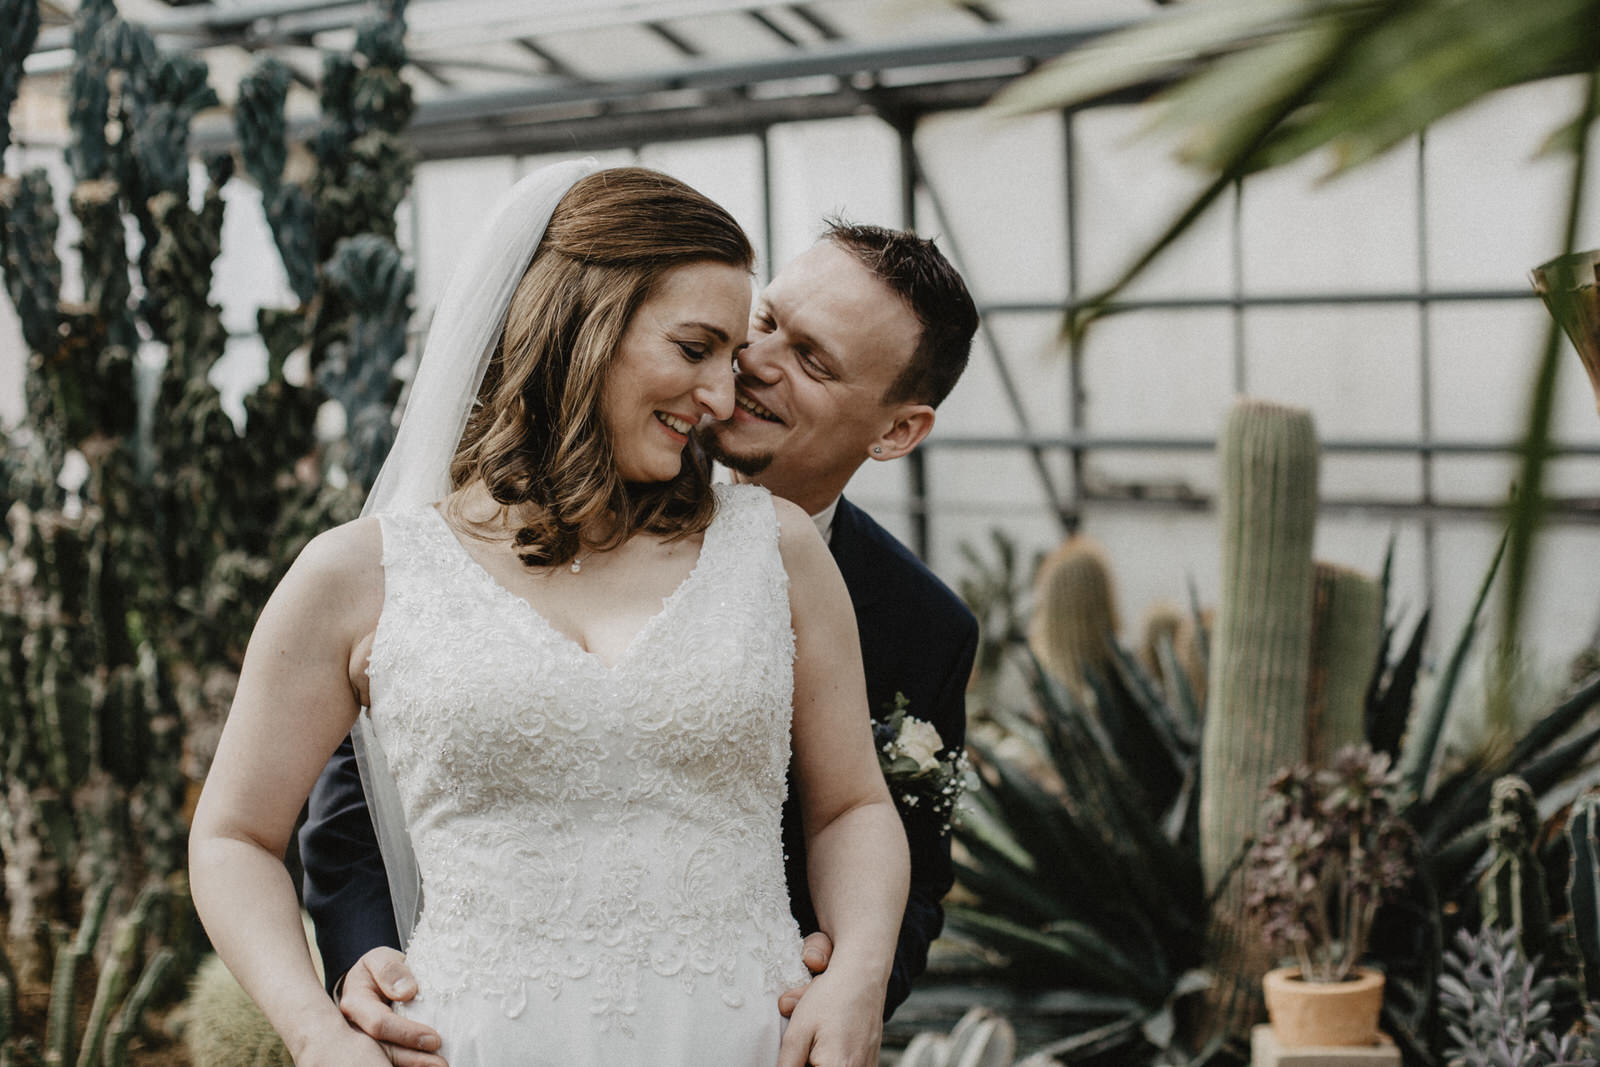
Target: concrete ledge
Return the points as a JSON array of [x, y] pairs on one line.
[[1266, 1052]]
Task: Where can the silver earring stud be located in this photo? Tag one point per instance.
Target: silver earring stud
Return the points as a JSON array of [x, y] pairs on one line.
[[876, 451]]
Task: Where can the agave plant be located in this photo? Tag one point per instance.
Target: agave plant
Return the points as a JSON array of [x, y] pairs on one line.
[[1084, 874]]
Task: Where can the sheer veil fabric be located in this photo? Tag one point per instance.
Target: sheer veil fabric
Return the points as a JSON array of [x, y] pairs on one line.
[[465, 332]]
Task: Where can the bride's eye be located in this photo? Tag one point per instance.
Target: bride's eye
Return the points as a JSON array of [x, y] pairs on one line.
[[693, 353]]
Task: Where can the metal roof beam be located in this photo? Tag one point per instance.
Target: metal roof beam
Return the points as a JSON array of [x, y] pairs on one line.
[[839, 62], [572, 129]]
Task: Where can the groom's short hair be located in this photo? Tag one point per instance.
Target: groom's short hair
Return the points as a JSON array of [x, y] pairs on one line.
[[916, 271]]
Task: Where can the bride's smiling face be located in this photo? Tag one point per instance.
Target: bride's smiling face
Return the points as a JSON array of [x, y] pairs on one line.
[[673, 366]]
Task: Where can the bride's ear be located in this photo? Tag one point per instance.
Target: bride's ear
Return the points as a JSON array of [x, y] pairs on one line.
[[912, 423]]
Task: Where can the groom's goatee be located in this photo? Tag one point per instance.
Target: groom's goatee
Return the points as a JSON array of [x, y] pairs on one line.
[[749, 466]]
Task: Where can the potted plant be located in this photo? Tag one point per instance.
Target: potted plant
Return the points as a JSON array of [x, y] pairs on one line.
[[1329, 850]]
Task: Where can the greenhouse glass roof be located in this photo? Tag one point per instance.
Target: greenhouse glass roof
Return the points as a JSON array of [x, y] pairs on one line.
[[522, 75]]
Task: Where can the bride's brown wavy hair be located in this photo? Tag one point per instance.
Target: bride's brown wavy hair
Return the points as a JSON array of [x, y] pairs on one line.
[[536, 436]]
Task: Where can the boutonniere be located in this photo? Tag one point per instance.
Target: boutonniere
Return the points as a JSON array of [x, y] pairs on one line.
[[922, 776]]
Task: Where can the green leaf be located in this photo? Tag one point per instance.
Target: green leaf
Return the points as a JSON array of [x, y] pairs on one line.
[[1071, 953], [1422, 740], [1156, 47], [1390, 711]]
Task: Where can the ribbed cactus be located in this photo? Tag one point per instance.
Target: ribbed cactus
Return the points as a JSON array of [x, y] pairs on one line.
[[141, 544], [223, 1027], [1261, 645], [1583, 890], [19, 28], [336, 232], [126, 974], [1346, 629], [1260, 664], [1074, 623], [1512, 892]]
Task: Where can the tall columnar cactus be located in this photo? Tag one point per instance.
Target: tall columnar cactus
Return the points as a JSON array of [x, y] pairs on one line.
[[1074, 624], [1260, 666], [139, 546], [335, 231], [1346, 629], [1261, 644], [1512, 891], [1583, 890]]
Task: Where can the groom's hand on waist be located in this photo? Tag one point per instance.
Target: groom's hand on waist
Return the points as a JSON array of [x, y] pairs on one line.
[[367, 996], [815, 953]]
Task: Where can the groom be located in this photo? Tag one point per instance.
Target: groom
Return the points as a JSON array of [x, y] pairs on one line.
[[852, 347]]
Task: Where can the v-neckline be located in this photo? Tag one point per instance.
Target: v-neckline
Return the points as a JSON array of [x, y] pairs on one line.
[[560, 635]]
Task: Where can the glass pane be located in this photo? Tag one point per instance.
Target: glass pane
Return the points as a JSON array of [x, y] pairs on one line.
[[848, 167], [1129, 188], [1302, 232], [1496, 204], [1001, 187], [1032, 355], [1355, 366]]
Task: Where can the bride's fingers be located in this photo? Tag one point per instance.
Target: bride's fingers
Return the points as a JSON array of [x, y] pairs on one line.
[[405, 1057]]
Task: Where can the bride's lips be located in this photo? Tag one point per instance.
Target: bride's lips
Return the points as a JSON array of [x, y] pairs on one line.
[[676, 425], [747, 407]]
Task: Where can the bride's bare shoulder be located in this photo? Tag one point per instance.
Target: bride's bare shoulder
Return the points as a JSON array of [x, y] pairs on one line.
[[343, 565]]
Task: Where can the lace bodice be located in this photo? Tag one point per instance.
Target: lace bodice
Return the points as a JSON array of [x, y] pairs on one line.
[[578, 824]]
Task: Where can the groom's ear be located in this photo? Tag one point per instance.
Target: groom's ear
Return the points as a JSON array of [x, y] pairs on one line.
[[912, 423]]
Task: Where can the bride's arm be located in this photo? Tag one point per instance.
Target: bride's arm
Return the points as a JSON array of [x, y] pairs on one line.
[[857, 862], [295, 702]]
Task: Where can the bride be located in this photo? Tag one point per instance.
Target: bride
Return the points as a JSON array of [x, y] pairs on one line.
[[587, 674]]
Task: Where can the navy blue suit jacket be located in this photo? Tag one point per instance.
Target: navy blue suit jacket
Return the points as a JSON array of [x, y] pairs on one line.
[[917, 638]]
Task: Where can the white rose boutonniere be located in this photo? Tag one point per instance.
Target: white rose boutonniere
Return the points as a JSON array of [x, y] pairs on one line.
[[921, 775]]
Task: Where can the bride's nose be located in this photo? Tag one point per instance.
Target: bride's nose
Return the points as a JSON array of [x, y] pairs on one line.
[[714, 391]]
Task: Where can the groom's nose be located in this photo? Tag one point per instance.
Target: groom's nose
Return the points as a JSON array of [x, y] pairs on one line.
[[759, 359]]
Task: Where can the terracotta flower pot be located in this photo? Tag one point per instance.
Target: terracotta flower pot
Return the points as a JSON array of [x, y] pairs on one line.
[[1323, 1014]]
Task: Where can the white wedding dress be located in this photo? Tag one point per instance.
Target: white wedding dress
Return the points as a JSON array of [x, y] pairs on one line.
[[599, 845]]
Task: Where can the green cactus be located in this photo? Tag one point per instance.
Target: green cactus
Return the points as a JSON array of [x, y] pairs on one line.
[[1261, 644], [1255, 719], [1512, 892], [1346, 630], [223, 1027], [19, 29], [1583, 890], [128, 590], [1074, 623]]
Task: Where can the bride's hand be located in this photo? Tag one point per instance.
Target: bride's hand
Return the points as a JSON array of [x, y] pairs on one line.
[[348, 1048], [838, 1022]]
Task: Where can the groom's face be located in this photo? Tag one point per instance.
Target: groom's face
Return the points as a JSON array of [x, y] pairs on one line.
[[827, 340]]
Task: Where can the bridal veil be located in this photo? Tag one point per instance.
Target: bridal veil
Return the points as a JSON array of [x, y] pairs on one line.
[[464, 335]]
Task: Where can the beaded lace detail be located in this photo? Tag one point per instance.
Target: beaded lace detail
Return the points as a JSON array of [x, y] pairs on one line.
[[578, 825]]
